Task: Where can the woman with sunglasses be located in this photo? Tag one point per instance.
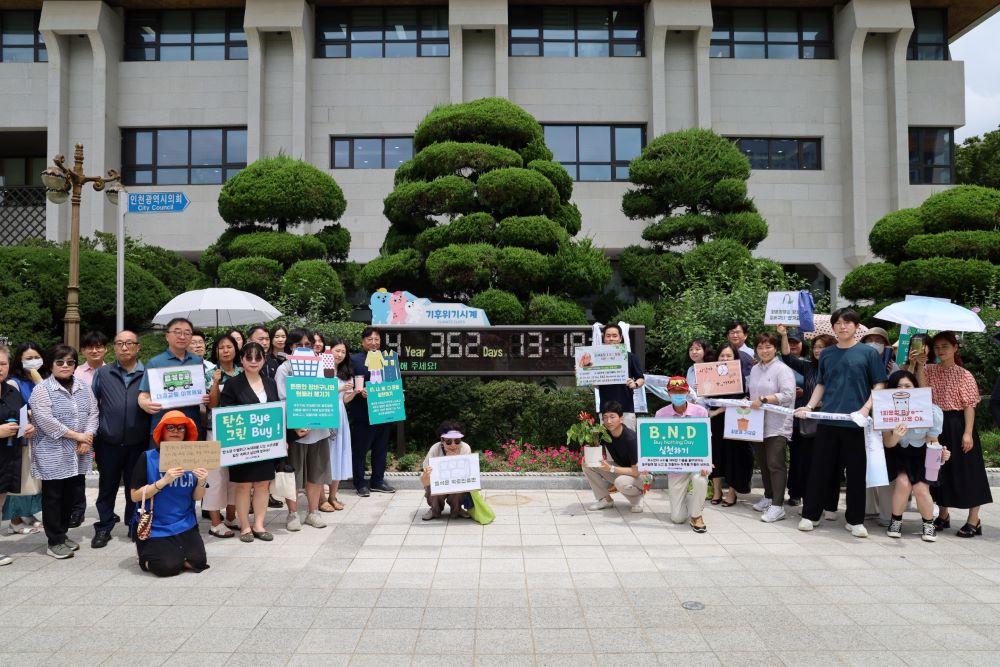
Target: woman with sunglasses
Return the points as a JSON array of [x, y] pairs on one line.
[[450, 444], [64, 411]]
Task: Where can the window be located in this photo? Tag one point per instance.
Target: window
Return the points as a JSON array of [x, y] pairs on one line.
[[932, 155], [929, 40], [789, 34], [22, 170], [780, 152], [180, 34], [576, 32], [183, 156], [370, 152], [381, 32], [20, 41], [595, 152]]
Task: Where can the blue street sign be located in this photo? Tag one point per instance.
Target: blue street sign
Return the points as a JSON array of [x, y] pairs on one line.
[[157, 202]]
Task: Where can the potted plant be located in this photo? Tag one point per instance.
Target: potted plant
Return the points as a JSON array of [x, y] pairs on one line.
[[588, 433]]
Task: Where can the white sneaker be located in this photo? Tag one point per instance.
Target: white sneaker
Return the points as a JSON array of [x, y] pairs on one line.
[[858, 530], [5, 559], [637, 509], [829, 516], [602, 504], [773, 513], [762, 505], [292, 523], [806, 525], [313, 519]]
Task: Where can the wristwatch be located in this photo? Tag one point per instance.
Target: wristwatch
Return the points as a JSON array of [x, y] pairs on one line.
[[763, 400]]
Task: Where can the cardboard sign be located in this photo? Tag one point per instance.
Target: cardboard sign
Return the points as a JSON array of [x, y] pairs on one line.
[[250, 433], [719, 378], [744, 424], [675, 444], [385, 403], [454, 474], [891, 407], [600, 365], [782, 308], [312, 402], [205, 454], [177, 386]]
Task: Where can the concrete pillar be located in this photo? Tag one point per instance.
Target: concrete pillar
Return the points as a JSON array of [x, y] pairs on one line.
[[899, 115], [663, 16]]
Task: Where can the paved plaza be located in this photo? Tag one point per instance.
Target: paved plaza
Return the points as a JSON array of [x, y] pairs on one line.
[[546, 584]]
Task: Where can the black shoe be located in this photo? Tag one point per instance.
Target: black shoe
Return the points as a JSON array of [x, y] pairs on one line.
[[274, 504], [75, 519], [364, 491], [382, 487], [100, 540], [116, 518], [794, 502]]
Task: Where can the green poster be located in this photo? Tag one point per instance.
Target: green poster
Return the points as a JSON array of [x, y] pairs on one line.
[[385, 402], [903, 351], [312, 402], [675, 444], [250, 433]]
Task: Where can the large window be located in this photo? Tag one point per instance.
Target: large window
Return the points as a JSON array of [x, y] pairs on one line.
[[929, 40], [381, 32], [788, 34], [932, 155], [183, 156], [20, 41], [576, 32], [370, 152], [21, 170], [181, 34], [780, 152], [595, 152]]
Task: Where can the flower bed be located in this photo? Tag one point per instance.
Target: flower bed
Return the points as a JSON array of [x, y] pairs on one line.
[[516, 456]]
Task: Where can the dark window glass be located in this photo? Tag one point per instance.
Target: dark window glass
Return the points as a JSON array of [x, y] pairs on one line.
[[780, 152], [370, 152], [932, 157], [182, 156], [381, 32], [595, 152], [557, 23], [182, 35], [20, 41], [780, 34], [929, 40], [576, 32]]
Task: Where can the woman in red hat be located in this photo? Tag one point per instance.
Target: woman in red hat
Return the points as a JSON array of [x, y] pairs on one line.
[[174, 544]]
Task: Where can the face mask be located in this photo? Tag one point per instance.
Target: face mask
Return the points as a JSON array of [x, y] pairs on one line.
[[32, 364], [878, 347], [678, 399]]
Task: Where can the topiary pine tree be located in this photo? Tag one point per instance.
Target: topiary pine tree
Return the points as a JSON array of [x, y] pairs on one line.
[[482, 209], [694, 182]]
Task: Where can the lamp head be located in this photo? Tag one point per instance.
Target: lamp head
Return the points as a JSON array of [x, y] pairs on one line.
[[57, 196], [112, 192], [53, 179]]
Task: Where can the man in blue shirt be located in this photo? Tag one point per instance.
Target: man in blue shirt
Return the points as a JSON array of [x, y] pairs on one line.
[[179, 332]]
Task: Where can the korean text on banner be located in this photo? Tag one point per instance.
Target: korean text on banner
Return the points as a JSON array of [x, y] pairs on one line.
[[600, 365], [782, 308], [744, 424], [250, 433], [719, 378], [675, 445], [891, 407], [177, 386], [188, 455], [312, 402], [385, 402], [454, 474]]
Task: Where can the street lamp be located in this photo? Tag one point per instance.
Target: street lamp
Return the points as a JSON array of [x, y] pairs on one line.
[[61, 183]]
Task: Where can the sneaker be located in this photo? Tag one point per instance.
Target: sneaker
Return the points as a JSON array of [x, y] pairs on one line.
[[636, 509], [364, 491], [773, 513], [292, 523], [896, 528], [313, 519], [829, 516], [602, 504], [60, 551], [5, 559], [929, 533], [858, 530], [806, 525], [71, 544], [762, 505], [383, 488], [429, 515], [75, 519], [100, 539]]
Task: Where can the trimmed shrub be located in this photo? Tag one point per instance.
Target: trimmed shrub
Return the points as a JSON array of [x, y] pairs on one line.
[[639, 205], [395, 241], [646, 271], [547, 309], [409, 204], [501, 306], [210, 261], [877, 280], [350, 276], [890, 234], [607, 305], [966, 245], [569, 218], [557, 175], [725, 257], [461, 269], [25, 317], [534, 231], [426, 241], [431, 400], [579, 269], [643, 313], [517, 191], [449, 157], [472, 228], [961, 208], [337, 240], [536, 150], [284, 248], [946, 276], [729, 195], [401, 269], [499, 410], [350, 332], [257, 275], [678, 229], [748, 228], [313, 286], [521, 270], [490, 120], [545, 421]]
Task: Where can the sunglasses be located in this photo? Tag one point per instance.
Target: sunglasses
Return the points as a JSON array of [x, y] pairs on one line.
[[174, 428], [64, 362], [451, 441]]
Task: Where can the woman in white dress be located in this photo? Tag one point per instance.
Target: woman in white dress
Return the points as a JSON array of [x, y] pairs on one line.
[[340, 444]]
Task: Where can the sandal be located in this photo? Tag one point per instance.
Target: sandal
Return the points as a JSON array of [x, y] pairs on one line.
[[264, 536], [729, 503], [21, 529], [246, 537], [32, 521], [221, 530], [716, 501], [941, 524], [232, 525], [337, 505], [968, 530], [327, 507]]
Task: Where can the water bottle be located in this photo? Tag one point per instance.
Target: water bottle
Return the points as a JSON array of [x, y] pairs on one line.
[[10, 440]]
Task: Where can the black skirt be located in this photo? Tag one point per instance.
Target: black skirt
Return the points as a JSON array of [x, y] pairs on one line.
[[962, 480], [10, 467], [909, 460], [732, 459], [258, 471]]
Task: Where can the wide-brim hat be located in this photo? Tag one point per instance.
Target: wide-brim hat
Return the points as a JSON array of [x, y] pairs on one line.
[[877, 331], [176, 417]]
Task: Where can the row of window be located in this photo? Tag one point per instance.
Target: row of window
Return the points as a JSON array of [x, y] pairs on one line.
[[409, 32]]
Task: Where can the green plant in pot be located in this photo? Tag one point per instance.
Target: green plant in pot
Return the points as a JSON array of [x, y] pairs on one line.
[[588, 434]]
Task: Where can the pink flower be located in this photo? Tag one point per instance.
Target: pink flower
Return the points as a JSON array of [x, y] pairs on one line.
[[975, 309], [996, 324]]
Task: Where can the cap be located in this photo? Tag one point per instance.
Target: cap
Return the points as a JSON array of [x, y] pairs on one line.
[[677, 385], [176, 417], [453, 435], [794, 334]]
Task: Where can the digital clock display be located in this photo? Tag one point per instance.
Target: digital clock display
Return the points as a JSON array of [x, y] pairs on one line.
[[500, 350]]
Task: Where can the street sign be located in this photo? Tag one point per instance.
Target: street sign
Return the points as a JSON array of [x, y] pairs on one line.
[[157, 202]]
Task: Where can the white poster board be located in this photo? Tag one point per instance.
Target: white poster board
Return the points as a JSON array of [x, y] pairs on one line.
[[891, 407], [600, 365], [454, 474], [177, 386], [744, 424], [782, 308]]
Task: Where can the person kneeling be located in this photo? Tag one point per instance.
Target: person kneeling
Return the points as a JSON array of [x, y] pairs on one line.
[[677, 483], [450, 444], [623, 471], [174, 543]]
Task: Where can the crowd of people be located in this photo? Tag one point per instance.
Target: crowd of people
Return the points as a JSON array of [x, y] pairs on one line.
[[82, 412]]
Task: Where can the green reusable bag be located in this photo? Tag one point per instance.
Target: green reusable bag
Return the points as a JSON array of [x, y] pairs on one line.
[[480, 511]]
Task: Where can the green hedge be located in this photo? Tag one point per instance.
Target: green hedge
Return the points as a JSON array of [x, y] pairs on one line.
[[449, 157], [460, 269], [724, 256], [337, 240], [522, 271], [730, 195], [962, 208], [426, 241], [671, 231], [548, 309], [472, 228], [284, 248], [557, 175], [494, 121], [889, 235], [175, 272], [536, 150], [517, 192], [409, 204], [395, 240], [257, 275], [965, 245], [645, 270], [640, 204], [395, 271], [311, 285], [569, 218], [748, 228], [877, 280], [579, 269], [501, 307], [641, 313], [946, 276], [534, 231]]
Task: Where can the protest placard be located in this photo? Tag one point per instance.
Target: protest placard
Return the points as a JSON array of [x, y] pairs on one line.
[[385, 402], [177, 386], [312, 402], [189, 455], [249, 433], [675, 444], [454, 474], [600, 365], [782, 308], [744, 424], [891, 407], [719, 378]]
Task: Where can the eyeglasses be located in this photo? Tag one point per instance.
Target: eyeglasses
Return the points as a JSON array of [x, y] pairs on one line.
[[126, 344], [450, 441], [174, 428], [64, 362], [181, 333]]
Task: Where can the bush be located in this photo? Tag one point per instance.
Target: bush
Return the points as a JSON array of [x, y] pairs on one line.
[[284, 248], [175, 272], [535, 231], [569, 218], [517, 192], [350, 276], [748, 228], [877, 280], [396, 241], [960, 208], [337, 240], [729, 195], [521, 270], [557, 175], [546, 420], [431, 400], [257, 275], [26, 318], [210, 261], [493, 120], [723, 256], [946, 276], [448, 158], [966, 245], [607, 305], [426, 241], [646, 271], [500, 409], [409, 204], [461, 269], [679, 229], [643, 313], [640, 205], [349, 332], [401, 269], [547, 309], [536, 150], [472, 228], [890, 234], [976, 161], [312, 286], [579, 269], [501, 306]]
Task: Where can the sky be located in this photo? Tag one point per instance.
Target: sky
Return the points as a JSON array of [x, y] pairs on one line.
[[978, 48]]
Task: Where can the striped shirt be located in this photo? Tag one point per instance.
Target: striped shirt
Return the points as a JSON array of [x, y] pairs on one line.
[[56, 410]]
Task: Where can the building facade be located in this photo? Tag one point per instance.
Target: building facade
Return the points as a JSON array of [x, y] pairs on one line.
[[846, 110]]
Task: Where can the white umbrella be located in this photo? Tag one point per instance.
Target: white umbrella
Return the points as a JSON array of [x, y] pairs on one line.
[[218, 307], [932, 314]]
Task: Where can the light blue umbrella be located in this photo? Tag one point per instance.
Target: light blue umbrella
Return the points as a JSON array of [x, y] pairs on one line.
[[932, 314]]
